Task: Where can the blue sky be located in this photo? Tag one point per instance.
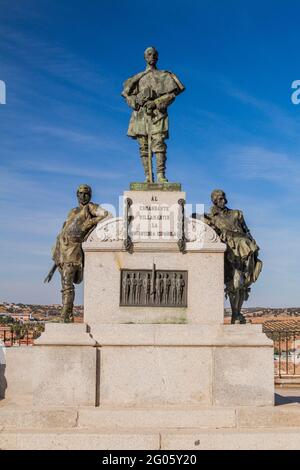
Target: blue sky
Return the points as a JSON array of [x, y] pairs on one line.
[[65, 122]]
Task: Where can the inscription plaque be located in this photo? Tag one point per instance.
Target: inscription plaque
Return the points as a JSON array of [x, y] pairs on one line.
[[156, 287]]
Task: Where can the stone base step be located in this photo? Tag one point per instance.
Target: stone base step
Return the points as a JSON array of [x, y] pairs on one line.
[[288, 382], [14, 417], [159, 418], [237, 439], [204, 439], [78, 440]]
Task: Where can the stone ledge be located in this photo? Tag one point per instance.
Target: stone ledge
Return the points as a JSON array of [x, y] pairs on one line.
[[152, 247], [79, 440], [203, 439], [180, 335], [35, 418], [188, 418], [150, 428], [264, 417], [248, 439], [65, 334], [155, 186], [159, 418]]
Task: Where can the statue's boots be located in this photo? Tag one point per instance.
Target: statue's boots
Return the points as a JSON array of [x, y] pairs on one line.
[[145, 162], [68, 296], [239, 317], [161, 167]]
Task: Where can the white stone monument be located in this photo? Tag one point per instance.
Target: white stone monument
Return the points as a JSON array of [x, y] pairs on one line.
[[153, 331]]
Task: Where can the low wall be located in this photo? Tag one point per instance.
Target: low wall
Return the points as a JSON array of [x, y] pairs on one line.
[[16, 373]]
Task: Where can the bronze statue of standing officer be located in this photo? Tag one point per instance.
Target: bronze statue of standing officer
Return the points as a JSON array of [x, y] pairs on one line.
[[149, 93]]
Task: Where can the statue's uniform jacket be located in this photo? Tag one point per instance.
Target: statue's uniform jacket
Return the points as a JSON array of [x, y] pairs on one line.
[[165, 86], [149, 93], [242, 249], [233, 231]]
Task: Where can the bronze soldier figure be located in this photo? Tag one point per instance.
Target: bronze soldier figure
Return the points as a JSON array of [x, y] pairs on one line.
[[127, 288], [139, 288], [147, 288], [149, 93], [158, 289], [174, 289], [180, 288], [242, 266], [134, 288], [67, 254], [166, 289]]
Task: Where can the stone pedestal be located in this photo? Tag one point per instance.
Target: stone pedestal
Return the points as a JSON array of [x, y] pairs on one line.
[[158, 349], [144, 365], [65, 366], [105, 257], [153, 364]]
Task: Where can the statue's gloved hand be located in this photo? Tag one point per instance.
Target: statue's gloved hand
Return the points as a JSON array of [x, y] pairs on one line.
[[150, 105], [141, 100], [89, 223]]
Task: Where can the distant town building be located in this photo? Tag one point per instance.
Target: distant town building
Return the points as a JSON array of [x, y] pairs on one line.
[[22, 316]]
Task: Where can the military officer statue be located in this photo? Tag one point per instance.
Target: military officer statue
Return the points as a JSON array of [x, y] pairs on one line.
[[67, 254], [149, 93], [242, 266]]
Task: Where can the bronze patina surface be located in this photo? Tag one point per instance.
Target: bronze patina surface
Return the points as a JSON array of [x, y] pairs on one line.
[[67, 253], [149, 93], [242, 265], [159, 288]]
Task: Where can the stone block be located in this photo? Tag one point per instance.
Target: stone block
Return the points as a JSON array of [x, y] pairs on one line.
[[64, 375], [76, 440], [263, 439], [15, 417], [269, 416], [17, 375], [172, 364], [179, 335], [102, 287], [155, 375], [156, 417], [65, 334], [243, 376], [156, 215]]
